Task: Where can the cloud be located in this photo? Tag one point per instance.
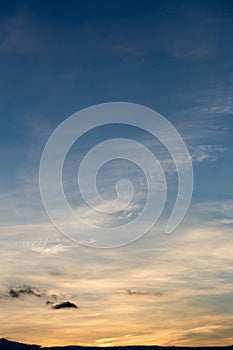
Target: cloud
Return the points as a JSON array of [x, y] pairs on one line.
[[201, 153], [65, 305], [209, 333], [51, 250], [188, 39], [189, 266], [216, 213], [56, 273], [223, 207], [196, 141], [20, 292], [16, 292], [19, 35], [128, 51], [138, 292], [13, 293]]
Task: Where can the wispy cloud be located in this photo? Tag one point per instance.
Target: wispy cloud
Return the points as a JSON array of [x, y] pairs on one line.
[[187, 269], [196, 40], [24, 291], [19, 35], [222, 208], [45, 249], [132, 292]]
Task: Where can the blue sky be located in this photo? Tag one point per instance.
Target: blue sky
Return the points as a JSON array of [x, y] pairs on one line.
[[175, 57]]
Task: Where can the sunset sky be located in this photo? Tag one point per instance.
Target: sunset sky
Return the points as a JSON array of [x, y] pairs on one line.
[[58, 57]]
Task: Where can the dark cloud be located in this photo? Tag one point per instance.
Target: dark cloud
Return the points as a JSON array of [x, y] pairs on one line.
[[13, 293], [16, 292], [20, 292], [138, 292], [56, 273], [27, 291], [65, 305]]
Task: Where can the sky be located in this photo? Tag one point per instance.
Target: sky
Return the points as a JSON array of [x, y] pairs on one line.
[[57, 58]]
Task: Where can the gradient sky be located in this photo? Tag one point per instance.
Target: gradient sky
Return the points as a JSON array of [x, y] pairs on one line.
[[58, 57]]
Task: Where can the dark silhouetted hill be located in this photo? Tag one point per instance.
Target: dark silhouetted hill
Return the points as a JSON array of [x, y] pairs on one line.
[[6, 344]]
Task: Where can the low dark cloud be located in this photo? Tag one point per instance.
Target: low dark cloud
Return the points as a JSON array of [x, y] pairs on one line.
[[17, 292], [26, 291], [65, 305], [13, 293], [138, 292], [56, 273], [23, 291]]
